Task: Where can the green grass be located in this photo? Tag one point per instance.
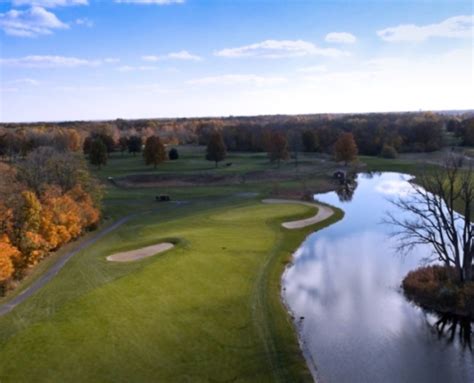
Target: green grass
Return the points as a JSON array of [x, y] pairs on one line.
[[208, 310]]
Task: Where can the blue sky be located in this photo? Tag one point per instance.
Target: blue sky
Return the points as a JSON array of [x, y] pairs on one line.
[[87, 59]]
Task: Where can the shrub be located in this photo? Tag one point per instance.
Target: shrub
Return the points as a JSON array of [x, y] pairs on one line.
[[436, 288], [388, 151], [173, 154]]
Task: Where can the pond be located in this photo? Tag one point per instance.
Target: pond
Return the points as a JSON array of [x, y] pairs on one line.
[[344, 291]]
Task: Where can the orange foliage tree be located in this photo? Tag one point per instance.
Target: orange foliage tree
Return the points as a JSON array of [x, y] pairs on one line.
[[9, 254]]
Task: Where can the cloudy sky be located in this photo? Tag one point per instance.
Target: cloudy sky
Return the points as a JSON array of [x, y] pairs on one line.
[[102, 59]]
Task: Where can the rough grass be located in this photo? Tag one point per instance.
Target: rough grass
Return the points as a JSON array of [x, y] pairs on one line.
[[208, 310]]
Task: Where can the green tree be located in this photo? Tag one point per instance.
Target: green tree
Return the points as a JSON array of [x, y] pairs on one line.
[[123, 144], [154, 152], [134, 144], [98, 153], [310, 141], [216, 150], [173, 154]]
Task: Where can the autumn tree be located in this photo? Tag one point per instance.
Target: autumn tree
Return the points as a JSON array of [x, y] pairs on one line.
[[28, 240], [154, 152], [73, 140], [216, 150], [345, 148], [86, 145], [66, 216], [45, 166], [9, 255], [98, 153], [277, 147]]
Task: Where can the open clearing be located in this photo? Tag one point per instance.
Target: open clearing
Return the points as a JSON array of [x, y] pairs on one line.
[[144, 252]]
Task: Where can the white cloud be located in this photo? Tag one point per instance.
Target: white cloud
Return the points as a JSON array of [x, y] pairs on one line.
[[157, 2], [129, 68], [27, 81], [313, 69], [30, 23], [151, 88], [151, 58], [8, 89], [48, 62], [49, 3], [340, 38], [85, 22], [181, 55], [280, 49], [393, 83], [235, 79], [454, 27], [111, 60], [81, 88]]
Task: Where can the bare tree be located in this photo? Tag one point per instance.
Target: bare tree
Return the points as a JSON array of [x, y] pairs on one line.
[[295, 143], [432, 217]]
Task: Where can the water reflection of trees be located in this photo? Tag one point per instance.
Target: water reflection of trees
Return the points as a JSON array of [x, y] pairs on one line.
[[346, 188], [451, 327]]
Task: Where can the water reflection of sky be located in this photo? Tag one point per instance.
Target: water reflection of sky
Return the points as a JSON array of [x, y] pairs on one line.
[[345, 282]]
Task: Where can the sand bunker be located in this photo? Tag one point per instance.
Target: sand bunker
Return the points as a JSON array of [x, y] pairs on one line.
[[144, 252], [323, 213]]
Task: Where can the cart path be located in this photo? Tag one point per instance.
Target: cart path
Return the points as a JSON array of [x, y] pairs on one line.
[[56, 267]]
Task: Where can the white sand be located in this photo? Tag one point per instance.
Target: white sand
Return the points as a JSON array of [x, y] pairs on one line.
[[323, 213], [144, 252]]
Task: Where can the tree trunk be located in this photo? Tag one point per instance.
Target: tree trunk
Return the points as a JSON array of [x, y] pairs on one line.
[[459, 270], [467, 265], [216, 164]]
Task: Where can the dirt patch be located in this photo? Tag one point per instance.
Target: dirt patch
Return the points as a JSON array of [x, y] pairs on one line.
[[153, 180], [211, 178], [144, 252]]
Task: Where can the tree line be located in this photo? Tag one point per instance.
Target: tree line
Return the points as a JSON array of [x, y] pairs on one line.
[[375, 134], [46, 200]]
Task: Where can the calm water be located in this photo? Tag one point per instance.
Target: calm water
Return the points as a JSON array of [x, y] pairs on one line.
[[357, 325]]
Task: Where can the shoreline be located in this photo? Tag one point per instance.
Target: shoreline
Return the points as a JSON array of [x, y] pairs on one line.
[[336, 215], [310, 362]]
